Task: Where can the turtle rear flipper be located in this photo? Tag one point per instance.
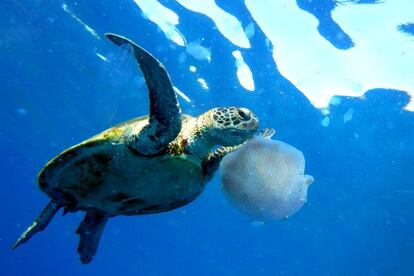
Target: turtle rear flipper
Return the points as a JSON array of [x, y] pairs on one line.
[[89, 232], [165, 114], [39, 224]]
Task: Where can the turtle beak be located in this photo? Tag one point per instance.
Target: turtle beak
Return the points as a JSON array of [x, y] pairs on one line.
[[252, 124]]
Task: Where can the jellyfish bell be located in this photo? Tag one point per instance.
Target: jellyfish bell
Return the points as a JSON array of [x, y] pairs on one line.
[[265, 179]]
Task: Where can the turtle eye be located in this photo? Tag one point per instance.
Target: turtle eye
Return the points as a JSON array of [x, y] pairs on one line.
[[244, 115]]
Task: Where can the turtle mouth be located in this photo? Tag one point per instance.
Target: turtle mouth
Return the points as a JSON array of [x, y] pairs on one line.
[[251, 125], [237, 132]]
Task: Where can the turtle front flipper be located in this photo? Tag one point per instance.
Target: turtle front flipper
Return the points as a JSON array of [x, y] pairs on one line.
[[164, 119], [212, 161], [89, 232], [39, 224]]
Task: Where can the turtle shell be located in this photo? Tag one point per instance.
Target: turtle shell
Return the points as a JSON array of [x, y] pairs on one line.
[[103, 175]]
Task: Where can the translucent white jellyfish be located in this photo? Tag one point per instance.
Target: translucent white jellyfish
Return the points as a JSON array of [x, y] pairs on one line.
[[249, 31], [265, 179], [198, 52], [325, 121], [348, 115], [203, 83]]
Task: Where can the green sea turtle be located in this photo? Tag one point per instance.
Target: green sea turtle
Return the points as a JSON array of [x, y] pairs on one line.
[[146, 165]]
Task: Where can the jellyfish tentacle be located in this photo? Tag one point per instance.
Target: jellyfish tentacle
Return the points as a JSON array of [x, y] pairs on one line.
[[267, 132]]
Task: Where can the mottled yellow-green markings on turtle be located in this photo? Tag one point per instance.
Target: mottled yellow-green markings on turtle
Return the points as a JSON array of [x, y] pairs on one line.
[[113, 133], [178, 147]]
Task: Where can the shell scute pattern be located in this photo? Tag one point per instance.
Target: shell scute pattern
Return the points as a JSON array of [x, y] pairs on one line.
[[146, 165]]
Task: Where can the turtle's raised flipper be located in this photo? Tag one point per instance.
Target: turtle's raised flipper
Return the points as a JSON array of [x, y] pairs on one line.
[[39, 224], [89, 232], [165, 114]]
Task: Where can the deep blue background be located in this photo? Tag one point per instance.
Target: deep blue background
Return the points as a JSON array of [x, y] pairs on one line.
[[56, 92]]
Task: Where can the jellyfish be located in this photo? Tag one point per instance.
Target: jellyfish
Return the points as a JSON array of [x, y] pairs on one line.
[[265, 179], [198, 52]]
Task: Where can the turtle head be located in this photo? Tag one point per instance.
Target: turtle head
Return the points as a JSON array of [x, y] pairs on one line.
[[233, 125]]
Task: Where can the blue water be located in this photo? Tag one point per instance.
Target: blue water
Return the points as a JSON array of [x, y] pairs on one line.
[[55, 92]]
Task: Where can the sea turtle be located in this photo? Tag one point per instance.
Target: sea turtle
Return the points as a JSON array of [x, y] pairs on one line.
[[146, 165]]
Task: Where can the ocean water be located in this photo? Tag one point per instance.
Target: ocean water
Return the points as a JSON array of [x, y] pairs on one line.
[[62, 82]]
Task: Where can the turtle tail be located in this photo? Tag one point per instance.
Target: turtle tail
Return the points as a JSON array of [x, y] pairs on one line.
[[39, 224]]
